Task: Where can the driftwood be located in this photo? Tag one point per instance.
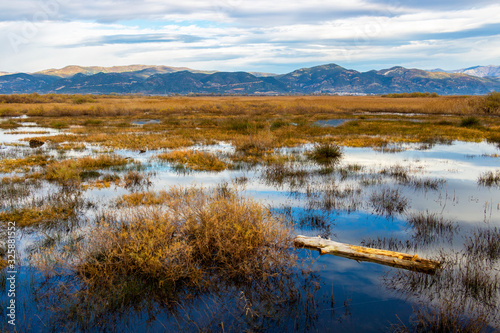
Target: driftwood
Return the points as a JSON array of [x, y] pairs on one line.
[[361, 253]]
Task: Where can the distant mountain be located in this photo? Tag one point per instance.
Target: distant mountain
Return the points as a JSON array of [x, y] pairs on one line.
[[25, 83], [261, 74], [4, 73], [164, 80], [148, 70], [479, 71], [410, 80], [100, 83], [331, 79], [335, 79], [217, 83]]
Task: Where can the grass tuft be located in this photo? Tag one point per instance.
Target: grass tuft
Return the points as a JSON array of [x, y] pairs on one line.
[[326, 154]]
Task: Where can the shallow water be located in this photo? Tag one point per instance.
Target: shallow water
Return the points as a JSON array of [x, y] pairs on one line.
[[354, 296]]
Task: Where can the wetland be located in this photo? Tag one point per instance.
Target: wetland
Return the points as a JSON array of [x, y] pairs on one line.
[[146, 214]]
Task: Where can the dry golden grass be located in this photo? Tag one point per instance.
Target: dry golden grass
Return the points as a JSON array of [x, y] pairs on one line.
[[3, 263], [194, 160], [23, 164], [143, 198], [257, 125], [70, 171], [133, 106], [189, 235], [47, 213]]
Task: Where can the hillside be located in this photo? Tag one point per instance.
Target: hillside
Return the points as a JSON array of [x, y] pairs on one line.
[[164, 80], [481, 71]]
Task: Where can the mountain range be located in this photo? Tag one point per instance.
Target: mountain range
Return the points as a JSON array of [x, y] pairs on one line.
[[480, 71], [324, 79]]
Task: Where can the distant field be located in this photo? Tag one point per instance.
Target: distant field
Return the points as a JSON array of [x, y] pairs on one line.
[[254, 123]]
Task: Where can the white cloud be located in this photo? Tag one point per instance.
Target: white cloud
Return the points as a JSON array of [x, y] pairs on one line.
[[241, 35]]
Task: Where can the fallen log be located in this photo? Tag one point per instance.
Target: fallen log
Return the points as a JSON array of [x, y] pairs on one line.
[[361, 253]]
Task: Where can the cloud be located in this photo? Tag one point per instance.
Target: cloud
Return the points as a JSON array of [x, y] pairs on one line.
[[260, 35], [257, 12]]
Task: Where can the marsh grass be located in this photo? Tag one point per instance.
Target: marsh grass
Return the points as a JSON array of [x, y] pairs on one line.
[[134, 179], [490, 104], [350, 170], [9, 124], [14, 190], [388, 202], [256, 125], [321, 222], [143, 199], [195, 160], [398, 172], [489, 178], [58, 124], [185, 241], [254, 149], [23, 164], [478, 282], [61, 208], [427, 184], [279, 174], [430, 227], [330, 196], [193, 233], [71, 171], [464, 281], [484, 244], [446, 318], [403, 176]]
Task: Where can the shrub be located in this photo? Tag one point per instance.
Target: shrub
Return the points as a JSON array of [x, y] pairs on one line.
[[193, 234]]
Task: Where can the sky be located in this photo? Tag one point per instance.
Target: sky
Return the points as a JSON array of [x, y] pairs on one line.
[[276, 36]]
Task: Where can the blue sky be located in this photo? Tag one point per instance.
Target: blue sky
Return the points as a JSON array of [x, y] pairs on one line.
[[239, 35]]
